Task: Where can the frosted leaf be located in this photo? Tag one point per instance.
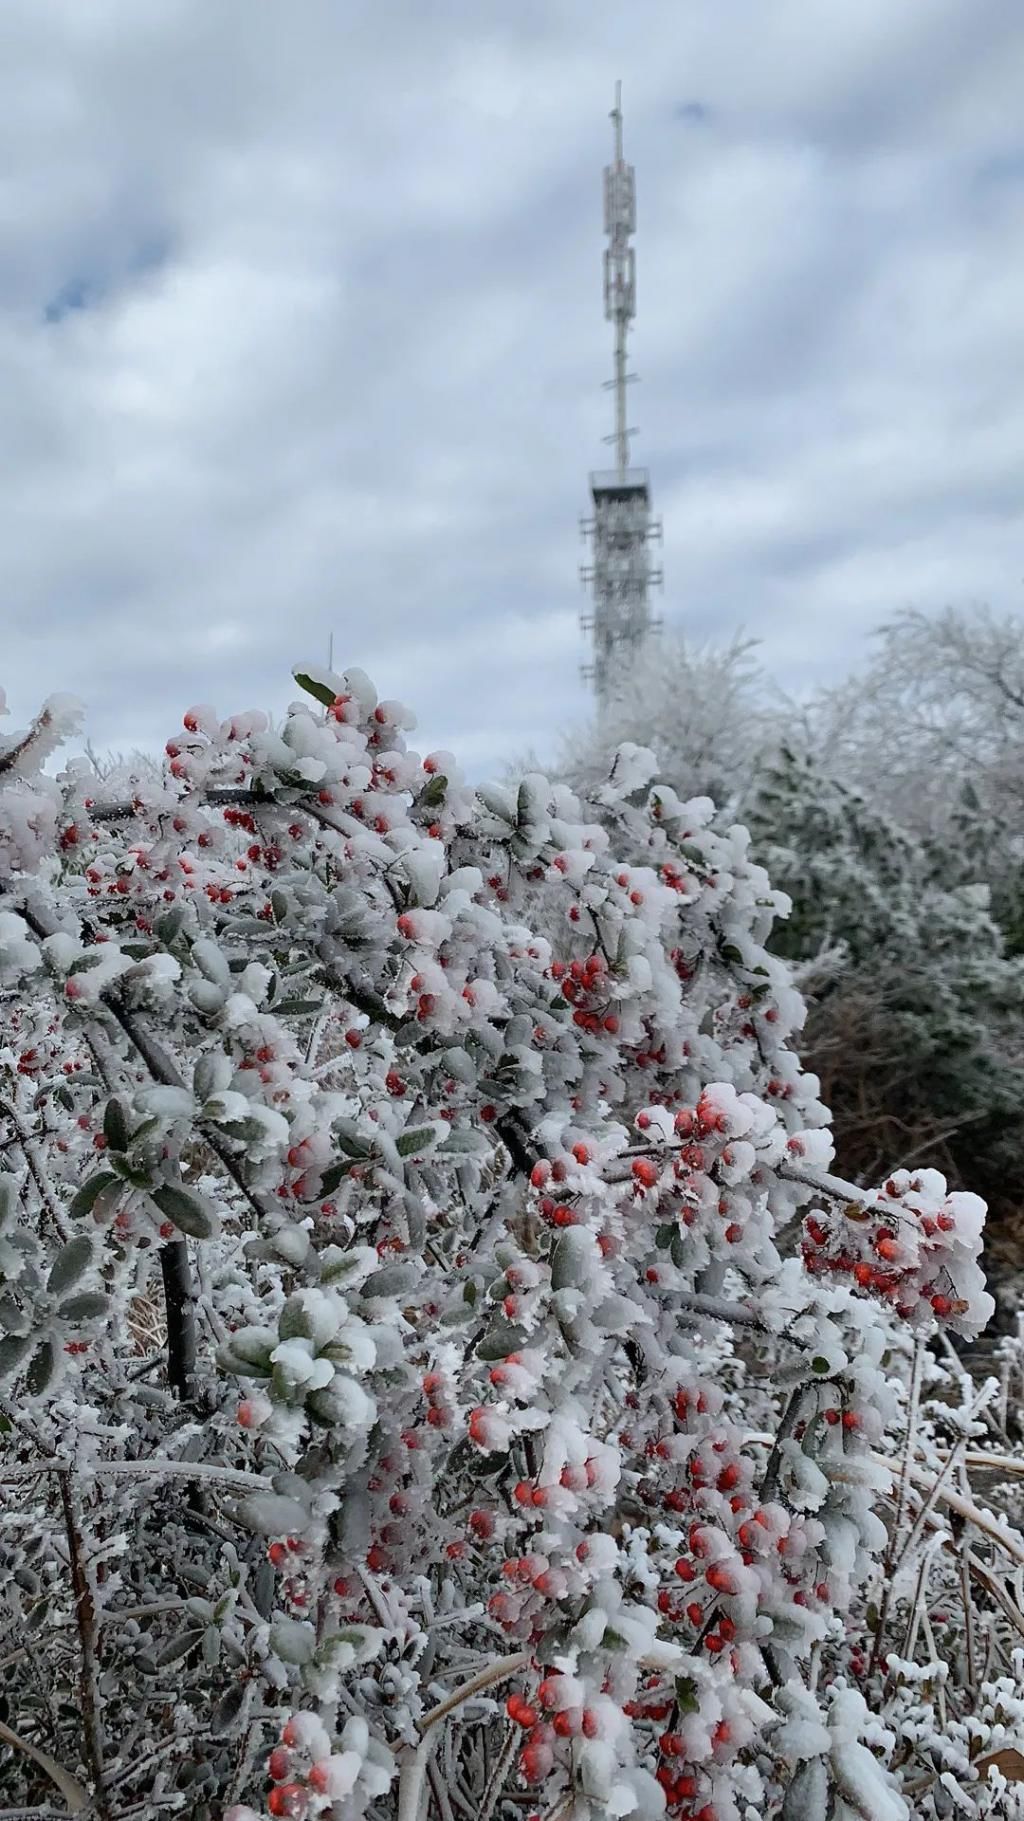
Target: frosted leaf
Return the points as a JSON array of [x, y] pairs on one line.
[[272, 1514]]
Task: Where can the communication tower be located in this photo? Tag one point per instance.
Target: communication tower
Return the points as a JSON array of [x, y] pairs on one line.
[[620, 529]]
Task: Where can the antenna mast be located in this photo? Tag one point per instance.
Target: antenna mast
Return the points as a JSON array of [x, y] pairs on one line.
[[620, 272], [621, 527]]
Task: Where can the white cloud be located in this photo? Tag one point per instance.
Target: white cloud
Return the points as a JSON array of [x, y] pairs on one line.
[[301, 332]]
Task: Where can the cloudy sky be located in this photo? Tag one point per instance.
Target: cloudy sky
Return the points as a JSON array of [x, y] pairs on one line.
[[301, 332]]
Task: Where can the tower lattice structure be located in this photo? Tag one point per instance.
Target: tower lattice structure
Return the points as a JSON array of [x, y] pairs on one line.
[[620, 529]]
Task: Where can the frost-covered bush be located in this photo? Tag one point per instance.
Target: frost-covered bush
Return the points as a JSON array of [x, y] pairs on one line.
[[440, 1375], [916, 1023]]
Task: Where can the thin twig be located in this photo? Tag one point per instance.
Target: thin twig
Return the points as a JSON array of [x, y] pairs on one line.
[[151, 1469], [92, 1734], [30, 1151], [506, 1758], [888, 1571], [439, 1794], [414, 1770], [790, 1418]]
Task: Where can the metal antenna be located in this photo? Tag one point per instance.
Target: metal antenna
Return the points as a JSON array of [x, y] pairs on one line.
[[621, 527], [620, 272]]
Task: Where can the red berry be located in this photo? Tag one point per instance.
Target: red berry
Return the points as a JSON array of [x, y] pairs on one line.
[[287, 1799]]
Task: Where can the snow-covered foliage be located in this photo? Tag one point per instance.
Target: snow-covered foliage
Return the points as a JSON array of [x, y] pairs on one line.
[[937, 708], [917, 1018], [707, 709], [439, 1373], [889, 810]]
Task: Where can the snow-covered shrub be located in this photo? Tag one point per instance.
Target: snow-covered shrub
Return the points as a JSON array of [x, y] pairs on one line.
[[916, 1021], [439, 1373]]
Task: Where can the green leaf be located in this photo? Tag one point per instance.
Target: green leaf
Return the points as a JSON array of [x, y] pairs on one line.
[[264, 1588], [279, 905], [115, 1125], [83, 964], [299, 1008], [334, 1174], [459, 1313], [246, 1131], [485, 1466], [686, 1695], [412, 1140], [272, 1514], [665, 1235], [12, 1319], [554, 1644], [322, 691], [464, 1144], [820, 1364], [228, 1708], [225, 1606], [295, 1322], [71, 1263], [169, 926], [178, 1647], [809, 1795], [398, 1279], [42, 1369], [88, 1306], [433, 794], [13, 1349], [91, 1190], [352, 1145], [355, 1644], [189, 1212], [500, 1341], [8, 1197], [293, 1640], [729, 952], [571, 1259]]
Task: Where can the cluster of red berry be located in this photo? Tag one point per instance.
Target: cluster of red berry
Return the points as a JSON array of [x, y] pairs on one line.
[[292, 1783], [586, 986], [891, 1248]]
